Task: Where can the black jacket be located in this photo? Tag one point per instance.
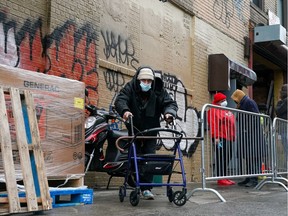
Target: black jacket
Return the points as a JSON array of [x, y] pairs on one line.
[[281, 109], [146, 112]]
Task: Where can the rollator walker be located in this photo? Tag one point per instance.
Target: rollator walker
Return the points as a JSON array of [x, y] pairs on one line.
[[156, 164]]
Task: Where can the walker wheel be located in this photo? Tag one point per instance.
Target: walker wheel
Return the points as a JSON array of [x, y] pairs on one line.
[[170, 194], [122, 192], [134, 198], [180, 198]]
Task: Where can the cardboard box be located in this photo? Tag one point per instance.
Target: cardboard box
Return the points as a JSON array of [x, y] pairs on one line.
[[60, 112]]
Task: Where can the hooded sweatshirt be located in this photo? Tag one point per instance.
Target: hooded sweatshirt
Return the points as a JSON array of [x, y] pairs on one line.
[[244, 102]]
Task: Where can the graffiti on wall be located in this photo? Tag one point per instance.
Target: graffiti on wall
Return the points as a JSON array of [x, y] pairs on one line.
[[114, 81], [187, 119], [223, 10], [68, 51], [119, 48]]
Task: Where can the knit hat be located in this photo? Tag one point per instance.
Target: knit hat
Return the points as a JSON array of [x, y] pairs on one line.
[[145, 73], [237, 95], [218, 97]]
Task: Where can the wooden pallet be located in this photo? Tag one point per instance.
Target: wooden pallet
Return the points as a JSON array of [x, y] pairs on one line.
[[37, 195]]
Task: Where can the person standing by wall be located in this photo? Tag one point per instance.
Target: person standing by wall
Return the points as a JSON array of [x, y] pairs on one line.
[[249, 133], [145, 99], [281, 112], [281, 107], [222, 128]]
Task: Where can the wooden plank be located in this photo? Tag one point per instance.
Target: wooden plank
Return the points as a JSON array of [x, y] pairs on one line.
[[21, 200], [38, 152], [23, 150], [8, 163]]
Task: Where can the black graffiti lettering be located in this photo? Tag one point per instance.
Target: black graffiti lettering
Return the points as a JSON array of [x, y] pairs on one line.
[[114, 80], [122, 50], [170, 82], [221, 10]]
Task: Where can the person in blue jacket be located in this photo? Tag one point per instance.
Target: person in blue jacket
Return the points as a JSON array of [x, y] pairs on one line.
[[145, 98], [250, 139]]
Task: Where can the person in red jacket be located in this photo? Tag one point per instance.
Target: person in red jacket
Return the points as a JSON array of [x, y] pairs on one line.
[[222, 131]]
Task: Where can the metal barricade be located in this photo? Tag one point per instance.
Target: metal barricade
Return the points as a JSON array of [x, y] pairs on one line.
[[236, 144], [280, 154]]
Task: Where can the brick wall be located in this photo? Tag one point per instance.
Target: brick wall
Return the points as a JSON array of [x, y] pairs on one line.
[[49, 37], [229, 17], [102, 42]]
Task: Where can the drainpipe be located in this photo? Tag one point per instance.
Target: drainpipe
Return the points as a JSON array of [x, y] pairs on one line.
[[250, 60]]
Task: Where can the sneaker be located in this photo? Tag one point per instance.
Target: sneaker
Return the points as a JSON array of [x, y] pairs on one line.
[[147, 195], [251, 184], [223, 182], [231, 182], [243, 183]]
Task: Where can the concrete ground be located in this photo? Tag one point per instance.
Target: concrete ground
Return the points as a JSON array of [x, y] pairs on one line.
[[270, 200]]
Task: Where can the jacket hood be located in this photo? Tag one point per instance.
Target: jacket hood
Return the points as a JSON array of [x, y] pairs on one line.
[[136, 82], [238, 95]]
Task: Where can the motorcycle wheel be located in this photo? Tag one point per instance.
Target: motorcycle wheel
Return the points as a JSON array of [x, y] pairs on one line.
[[179, 198]]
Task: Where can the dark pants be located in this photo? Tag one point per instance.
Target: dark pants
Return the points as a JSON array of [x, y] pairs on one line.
[[250, 145], [223, 155], [250, 154], [145, 146]]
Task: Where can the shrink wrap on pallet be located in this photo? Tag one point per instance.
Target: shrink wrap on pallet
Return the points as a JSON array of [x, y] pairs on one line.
[[60, 113]]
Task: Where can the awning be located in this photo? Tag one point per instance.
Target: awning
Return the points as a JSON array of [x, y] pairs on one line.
[[221, 69], [243, 74]]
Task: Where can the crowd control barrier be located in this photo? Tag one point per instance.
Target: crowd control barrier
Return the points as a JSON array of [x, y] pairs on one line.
[[280, 155], [239, 144]]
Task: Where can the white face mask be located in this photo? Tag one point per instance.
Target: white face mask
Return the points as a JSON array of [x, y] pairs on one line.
[[224, 103]]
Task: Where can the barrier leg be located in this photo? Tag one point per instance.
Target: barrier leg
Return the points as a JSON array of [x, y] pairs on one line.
[[206, 190]]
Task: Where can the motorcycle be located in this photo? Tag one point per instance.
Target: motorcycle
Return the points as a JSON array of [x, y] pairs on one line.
[[98, 131]]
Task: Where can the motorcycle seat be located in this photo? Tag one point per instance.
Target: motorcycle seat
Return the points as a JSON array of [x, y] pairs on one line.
[[119, 133]]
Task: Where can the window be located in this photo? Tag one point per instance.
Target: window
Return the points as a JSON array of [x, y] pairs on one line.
[[258, 3]]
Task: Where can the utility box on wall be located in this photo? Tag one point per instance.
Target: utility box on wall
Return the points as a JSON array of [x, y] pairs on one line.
[[271, 33]]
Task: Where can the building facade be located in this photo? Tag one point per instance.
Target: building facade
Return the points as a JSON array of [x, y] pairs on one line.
[[102, 42], [268, 27]]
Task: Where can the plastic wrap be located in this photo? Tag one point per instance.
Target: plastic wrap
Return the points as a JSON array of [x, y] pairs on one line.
[[60, 113]]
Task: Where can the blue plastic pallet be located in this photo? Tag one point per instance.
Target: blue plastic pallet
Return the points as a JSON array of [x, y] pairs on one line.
[[63, 197], [71, 197]]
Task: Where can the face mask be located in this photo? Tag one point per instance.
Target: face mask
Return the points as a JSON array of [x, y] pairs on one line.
[[145, 87], [224, 104]]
